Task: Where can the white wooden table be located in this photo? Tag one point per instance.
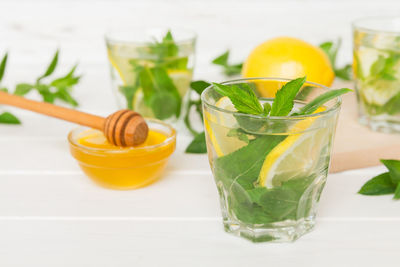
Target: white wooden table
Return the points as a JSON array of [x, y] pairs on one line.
[[52, 215]]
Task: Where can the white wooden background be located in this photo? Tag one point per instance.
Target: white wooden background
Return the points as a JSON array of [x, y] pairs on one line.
[[52, 215]]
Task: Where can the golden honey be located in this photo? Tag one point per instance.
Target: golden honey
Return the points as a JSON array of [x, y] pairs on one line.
[[123, 168]]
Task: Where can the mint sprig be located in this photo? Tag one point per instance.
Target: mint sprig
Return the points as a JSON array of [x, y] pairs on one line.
[[385, 183], [55, 89], [160, 93], [331, 49], [245, 100], [229, 69]]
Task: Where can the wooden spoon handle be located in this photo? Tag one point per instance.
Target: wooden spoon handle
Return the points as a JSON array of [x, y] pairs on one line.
[[51, 110]]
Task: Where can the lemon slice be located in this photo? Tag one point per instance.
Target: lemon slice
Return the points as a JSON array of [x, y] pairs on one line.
[[181, 80], [140, 106], [296, 155], [380, 92], [218, 126], [121, 65]]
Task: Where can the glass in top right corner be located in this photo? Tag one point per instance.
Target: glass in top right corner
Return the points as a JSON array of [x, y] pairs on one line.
[[376, 65]]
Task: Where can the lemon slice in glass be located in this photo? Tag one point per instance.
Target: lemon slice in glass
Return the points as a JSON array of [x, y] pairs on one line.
[[140, 106], [295, 156], [181, 80], [221, 125]]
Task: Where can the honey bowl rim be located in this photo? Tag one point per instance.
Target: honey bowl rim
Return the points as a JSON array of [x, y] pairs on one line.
[[171, 137]]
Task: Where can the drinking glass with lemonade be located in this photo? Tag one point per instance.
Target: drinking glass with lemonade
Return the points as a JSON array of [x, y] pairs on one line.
[[377, 72], [151, 70], [269, 170]]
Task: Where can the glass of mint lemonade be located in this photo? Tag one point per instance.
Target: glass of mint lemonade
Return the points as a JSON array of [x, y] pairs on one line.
[[377, 72], [151, 70], [269, 171]]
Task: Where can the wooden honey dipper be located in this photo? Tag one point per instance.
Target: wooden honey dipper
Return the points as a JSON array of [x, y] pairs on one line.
[[122, 128]]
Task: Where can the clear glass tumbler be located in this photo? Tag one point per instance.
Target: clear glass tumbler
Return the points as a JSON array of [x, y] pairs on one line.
[[151, 70], [377, 72], [270, 171]]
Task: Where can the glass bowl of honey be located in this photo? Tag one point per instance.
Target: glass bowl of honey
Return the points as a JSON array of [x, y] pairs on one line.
[[119, 167]]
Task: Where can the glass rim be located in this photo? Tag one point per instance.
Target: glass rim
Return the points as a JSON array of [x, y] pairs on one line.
[[330, 110], [179, 41], [170, 138], [357, 24]]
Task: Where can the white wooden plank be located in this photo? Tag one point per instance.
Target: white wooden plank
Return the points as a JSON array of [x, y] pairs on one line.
[[177, 195], [190, 243]]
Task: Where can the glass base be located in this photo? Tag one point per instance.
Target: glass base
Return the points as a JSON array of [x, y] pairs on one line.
[[287, 231], [379, 124]]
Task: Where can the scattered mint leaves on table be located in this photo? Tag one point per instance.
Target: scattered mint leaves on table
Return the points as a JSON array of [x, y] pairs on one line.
[[229, 69], [55, 89], [198, 144], [331, 49], [385, 183], [3, 66], [8, 118]]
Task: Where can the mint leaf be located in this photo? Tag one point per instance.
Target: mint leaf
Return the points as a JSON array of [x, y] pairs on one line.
[[8, 118], [239, 133], [394, 169], [344, 73], [65, 96], [164, 105], [392, 107], [378, 66], [3, 66], [331, 49], [379, 185], [156, 85], [199, 86], [229, 69], [221, 60], [164, 49], [243, 98], [44, 91], [397, 192], [198, 145], [267, 108], [66, 81], [23, 88], [128, 92], [314, 104], [244, 165], [52, 66], [385, 67], [284, 98]]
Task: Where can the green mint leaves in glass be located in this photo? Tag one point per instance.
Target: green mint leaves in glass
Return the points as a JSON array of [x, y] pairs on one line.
[[377, 72], [270, 156], [151, 71]]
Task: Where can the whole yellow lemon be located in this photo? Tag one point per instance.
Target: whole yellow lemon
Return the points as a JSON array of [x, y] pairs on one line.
[[286, 57]]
